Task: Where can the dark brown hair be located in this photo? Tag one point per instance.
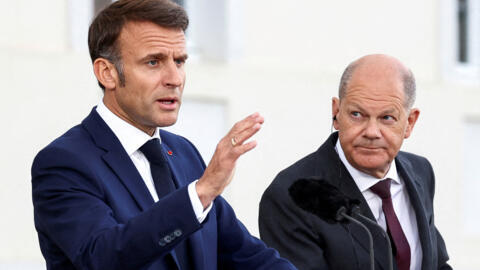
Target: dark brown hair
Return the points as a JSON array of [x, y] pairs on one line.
[[106, 27]]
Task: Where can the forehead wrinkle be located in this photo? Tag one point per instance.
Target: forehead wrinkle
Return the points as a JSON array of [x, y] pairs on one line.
[[160, 41], [178, 40], [388, 107], [373, 103], [146, 34], [360, 92]]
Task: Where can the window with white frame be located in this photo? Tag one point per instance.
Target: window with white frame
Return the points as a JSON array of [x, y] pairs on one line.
[[460, 23], [81, 14], [214, 33]]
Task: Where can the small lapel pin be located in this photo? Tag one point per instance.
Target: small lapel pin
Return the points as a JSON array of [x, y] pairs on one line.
[[169, 152]]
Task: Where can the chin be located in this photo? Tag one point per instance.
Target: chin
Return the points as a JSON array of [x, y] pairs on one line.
[[376, 172], [166, 119], [166, 122], [369, 164]]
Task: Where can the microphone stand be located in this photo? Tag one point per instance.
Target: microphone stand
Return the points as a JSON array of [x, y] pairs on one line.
[[335, 199], [341, 213], [356, 211]]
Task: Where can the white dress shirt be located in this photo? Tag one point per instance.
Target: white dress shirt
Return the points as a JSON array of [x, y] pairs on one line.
[[401, 204], [132, 139]]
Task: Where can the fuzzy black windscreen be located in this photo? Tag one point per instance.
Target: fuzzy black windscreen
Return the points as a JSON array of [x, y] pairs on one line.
[[320, 198]]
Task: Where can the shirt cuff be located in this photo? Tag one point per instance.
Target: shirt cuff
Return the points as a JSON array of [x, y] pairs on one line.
[[196, 203]]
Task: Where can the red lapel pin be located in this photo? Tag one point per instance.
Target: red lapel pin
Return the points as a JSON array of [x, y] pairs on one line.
[[169, 152]]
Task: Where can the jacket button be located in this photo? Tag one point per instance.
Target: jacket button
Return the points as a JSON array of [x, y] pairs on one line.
[[167, 239], [177, 233], [161, 243]]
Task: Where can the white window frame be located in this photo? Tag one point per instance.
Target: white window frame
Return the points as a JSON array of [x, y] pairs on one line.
[[453, 70], [80, 14], [215, 32]]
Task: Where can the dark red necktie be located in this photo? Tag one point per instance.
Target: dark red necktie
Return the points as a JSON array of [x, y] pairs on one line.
[[394, 229]]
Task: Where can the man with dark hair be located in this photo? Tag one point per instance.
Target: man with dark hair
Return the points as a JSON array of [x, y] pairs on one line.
[[116, 192], [373, 115]]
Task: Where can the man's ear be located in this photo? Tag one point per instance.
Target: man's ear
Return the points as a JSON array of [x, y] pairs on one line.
[[335, 111], [105, 72], [412, 119]]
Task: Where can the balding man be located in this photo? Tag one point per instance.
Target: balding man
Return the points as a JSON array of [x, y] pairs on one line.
[[373, 115]]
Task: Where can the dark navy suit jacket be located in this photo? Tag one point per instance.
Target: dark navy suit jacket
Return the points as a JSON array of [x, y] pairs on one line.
[[311, 243], [92, 209]]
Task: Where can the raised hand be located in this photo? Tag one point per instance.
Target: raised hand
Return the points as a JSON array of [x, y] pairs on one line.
[[219, 171]]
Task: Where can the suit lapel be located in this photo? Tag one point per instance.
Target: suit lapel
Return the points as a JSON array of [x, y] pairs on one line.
[[414, 188], [178, 175], [123, 167], [339, 176], [117, 159], [348, 187]]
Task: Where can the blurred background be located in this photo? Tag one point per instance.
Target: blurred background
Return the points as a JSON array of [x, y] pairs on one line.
[[280, 58]]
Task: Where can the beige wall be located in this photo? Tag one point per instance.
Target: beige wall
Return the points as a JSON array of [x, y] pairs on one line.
[[293, 55]]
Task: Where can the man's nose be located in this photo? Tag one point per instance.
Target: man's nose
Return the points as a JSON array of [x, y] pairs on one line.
[[172, 77], [372, 130]]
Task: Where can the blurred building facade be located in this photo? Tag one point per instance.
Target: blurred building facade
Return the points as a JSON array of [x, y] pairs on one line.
[[281, 58]]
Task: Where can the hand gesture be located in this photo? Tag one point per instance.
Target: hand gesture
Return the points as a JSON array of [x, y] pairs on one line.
[[219, 171]]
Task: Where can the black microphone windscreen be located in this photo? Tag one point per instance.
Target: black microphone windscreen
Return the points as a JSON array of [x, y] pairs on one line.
[[321, 198]]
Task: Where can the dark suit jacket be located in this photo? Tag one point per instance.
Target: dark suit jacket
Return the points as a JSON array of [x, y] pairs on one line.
[[311, 243], [92, 209]]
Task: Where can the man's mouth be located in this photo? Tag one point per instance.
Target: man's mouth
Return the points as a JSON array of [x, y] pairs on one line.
[[369, 148], [170, 101]]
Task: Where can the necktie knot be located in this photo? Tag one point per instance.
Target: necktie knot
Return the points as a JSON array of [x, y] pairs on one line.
[[153, 151], [382, 188]]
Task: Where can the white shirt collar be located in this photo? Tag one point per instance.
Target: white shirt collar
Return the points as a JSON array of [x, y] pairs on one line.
[[129, 136], [365, 181]]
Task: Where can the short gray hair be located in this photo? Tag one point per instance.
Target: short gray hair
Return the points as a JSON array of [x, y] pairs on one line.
[[408, 79]]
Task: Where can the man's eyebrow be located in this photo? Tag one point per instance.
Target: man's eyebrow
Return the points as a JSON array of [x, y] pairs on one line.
[[182, 56], [156, 56], [355, 106], [162, 56]]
